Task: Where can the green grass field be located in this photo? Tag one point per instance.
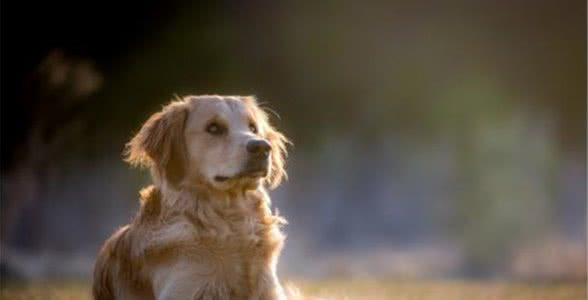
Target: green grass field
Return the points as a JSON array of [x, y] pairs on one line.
[[355, 289]]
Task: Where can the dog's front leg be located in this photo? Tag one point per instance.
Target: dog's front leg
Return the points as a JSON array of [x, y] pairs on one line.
[[183, 281], [269, 287]]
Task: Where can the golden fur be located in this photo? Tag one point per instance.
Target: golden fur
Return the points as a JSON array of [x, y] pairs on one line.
[[201, 232]]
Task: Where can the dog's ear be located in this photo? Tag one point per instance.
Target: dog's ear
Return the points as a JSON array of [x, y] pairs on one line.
[[278, 154], [160, 143]]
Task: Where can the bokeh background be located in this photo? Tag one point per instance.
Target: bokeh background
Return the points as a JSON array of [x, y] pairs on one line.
[[432, 139]]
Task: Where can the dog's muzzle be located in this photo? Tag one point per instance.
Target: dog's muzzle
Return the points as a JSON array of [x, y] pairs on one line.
[[257, 165], [258, 148]]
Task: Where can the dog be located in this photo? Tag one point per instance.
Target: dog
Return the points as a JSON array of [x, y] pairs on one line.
[[204, 229]]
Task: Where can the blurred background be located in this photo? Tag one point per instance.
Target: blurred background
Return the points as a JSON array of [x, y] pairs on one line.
[[431, 139]]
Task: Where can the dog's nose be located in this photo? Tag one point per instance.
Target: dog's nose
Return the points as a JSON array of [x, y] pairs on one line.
[[259, 147]]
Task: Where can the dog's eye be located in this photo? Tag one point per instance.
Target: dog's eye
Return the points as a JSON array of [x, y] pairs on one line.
[[253, 127], [215, 128]]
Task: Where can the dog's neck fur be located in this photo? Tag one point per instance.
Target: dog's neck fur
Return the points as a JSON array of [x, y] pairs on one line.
[[245, 215], [187, 198]]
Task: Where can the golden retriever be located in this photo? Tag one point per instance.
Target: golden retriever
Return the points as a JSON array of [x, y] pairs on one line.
[[204, 229]]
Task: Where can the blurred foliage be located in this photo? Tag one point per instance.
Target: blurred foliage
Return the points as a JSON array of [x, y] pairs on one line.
[[386, 66]]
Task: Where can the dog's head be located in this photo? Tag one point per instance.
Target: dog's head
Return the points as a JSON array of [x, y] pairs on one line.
[[222, 142]]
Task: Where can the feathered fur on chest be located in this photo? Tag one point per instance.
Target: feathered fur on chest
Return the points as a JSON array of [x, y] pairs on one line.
[[204, 226]]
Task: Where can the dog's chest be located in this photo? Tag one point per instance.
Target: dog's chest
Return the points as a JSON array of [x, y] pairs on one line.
[[232, 248], [239, 249], [236, 233]]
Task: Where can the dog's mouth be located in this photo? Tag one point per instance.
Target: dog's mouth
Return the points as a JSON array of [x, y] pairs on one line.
[[253, 169], [252, 174]]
